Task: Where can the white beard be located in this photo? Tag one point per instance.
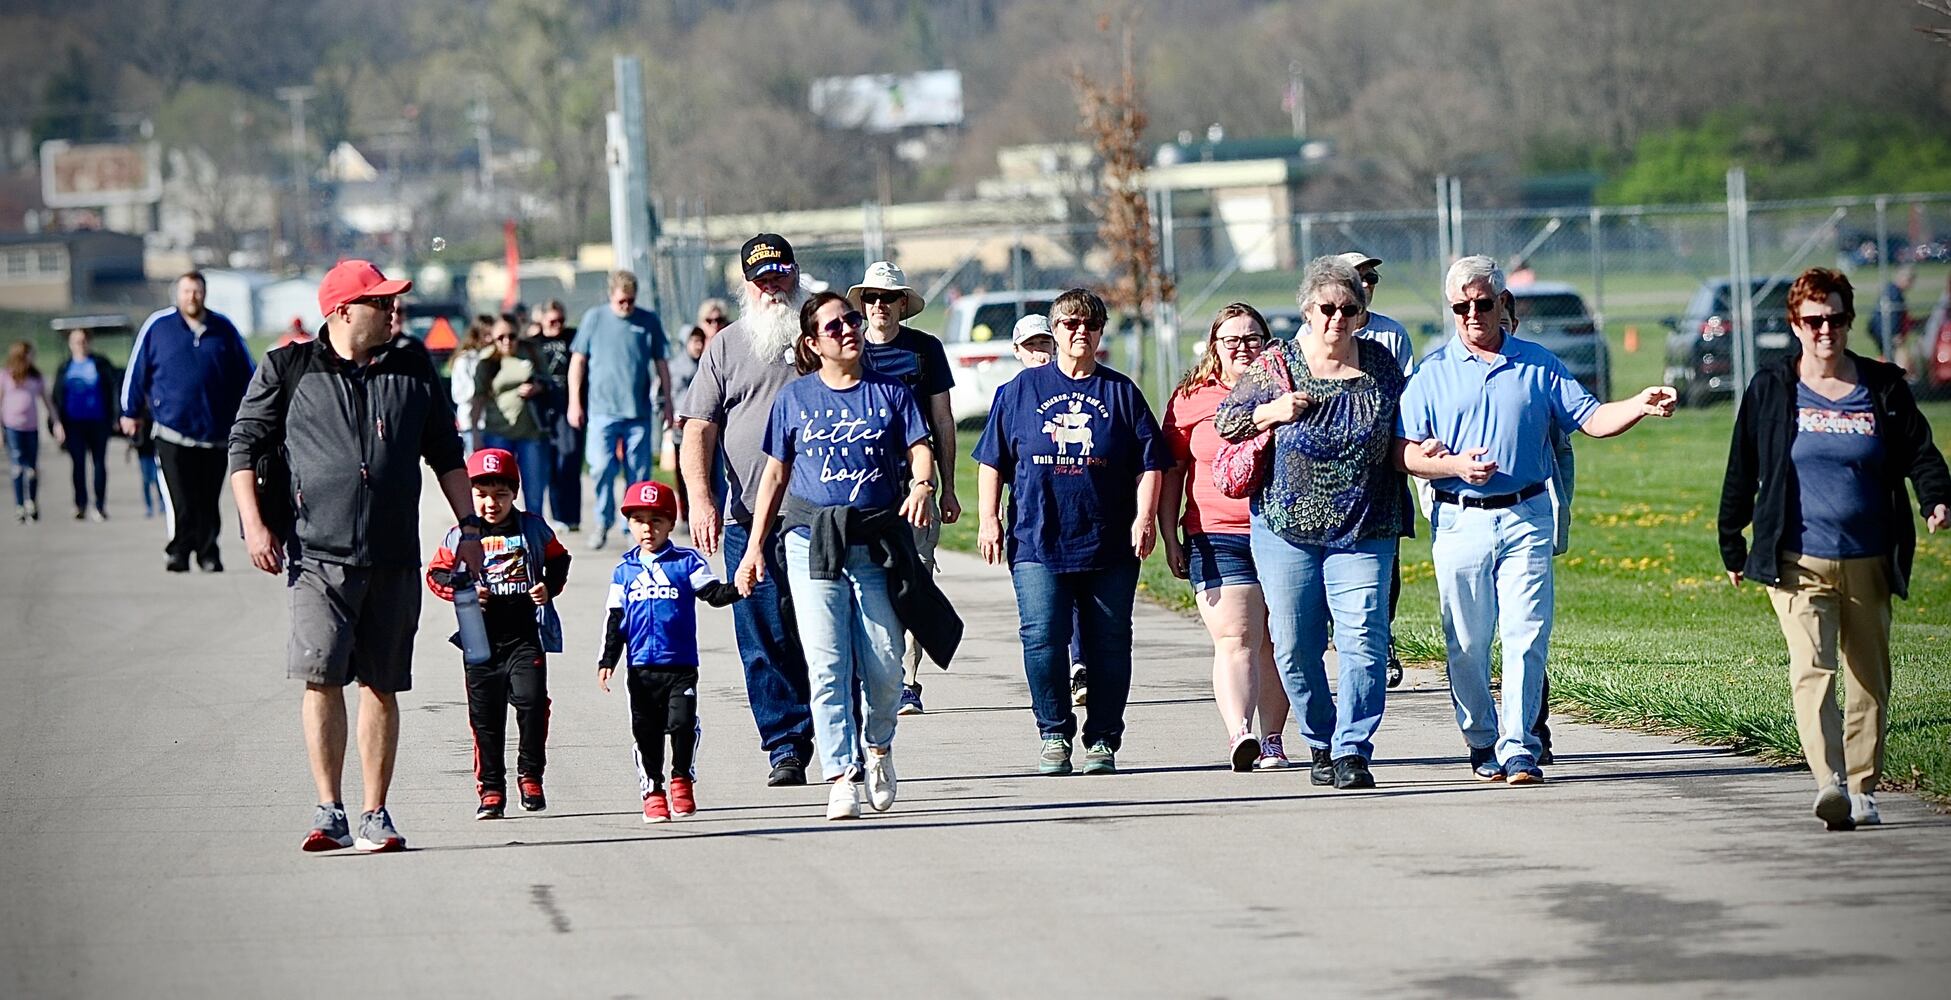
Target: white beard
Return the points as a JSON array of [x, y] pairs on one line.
[[773, 327]]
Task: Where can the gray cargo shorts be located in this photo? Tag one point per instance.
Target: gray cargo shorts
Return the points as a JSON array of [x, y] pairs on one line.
[[352, 623]]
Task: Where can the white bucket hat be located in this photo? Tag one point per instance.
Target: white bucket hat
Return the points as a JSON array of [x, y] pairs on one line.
[[886, 276]]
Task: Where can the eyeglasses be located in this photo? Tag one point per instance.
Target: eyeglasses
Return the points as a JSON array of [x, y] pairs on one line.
[[1467, 306], [1818, 321], [1328, 311], [1235, 343], [713, 320], [880, 297], [835, 327]]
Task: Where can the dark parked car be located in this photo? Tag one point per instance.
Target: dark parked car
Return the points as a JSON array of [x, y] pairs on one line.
[[1553, 316], [1700, 342]]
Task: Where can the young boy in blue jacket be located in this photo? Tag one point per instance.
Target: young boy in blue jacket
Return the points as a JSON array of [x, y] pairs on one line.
[[526, 568], [653, 617]]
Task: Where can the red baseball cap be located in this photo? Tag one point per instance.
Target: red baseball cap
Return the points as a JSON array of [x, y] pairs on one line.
[[652, 496], [355, 279], [497, 462]]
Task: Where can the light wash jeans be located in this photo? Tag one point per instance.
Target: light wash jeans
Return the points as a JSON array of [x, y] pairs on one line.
[[851, 634], [639, 457], [1306, 586], [533, 459], [1493, 578]]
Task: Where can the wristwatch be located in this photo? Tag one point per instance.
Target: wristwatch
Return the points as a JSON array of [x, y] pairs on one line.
[[473, 521]]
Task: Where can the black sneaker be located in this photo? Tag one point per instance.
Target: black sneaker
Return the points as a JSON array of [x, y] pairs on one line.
[[1395, 673], [178, 564], [1322, 772], [788, 771], [1352, 772], [532, 798], [492, 804], [212, 564], [1080, 687]]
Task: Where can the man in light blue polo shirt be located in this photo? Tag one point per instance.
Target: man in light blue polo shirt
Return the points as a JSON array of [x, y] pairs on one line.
[[1492, 401], [618, 348]]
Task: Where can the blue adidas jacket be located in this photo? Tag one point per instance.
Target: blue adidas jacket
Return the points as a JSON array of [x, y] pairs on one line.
[[653, 618], [192, 383]]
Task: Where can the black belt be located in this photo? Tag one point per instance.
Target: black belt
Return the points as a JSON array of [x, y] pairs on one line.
[[1498, 502]]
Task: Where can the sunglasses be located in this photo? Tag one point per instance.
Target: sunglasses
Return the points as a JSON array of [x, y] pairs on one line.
[[384, 303], [1235, 343], [714, 320], [1078, 323], [835, 327], [1328, 311], [1468, 306], [880, 297], [1832, 321], [1371, 279]]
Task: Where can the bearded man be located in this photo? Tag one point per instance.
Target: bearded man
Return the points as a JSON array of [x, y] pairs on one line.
[[730, 401]]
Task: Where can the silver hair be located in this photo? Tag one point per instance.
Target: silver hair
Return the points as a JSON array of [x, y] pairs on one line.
[[1469, 270], [1329, 272]]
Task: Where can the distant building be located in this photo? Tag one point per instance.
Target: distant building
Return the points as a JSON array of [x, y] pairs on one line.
[[53, 272]]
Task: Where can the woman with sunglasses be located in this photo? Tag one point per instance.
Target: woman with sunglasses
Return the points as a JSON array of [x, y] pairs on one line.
[[1822, 445], [511, 385], [1217, 553], [839, 444], [1326, 519]]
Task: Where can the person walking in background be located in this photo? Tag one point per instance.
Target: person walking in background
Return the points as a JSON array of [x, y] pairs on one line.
[[142, 446], [916, 360], [84, 418], [684, 368], [1327, 514], [848, 460], [1476, 421], [511, 388], [618, 350], [566, 443], [22, 391], [463, 388], [351, 554], [188, 370], [1084, 460], [1217, 552], [729, 405], [1823, 442]]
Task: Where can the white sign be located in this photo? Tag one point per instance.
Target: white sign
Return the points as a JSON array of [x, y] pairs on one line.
[[94, 175], [887, 102]]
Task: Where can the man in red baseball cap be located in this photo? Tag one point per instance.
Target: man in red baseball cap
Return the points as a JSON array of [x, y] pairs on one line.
[[353, 544]]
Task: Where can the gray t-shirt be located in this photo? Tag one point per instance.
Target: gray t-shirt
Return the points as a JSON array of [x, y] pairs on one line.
[[623, 352], [734, 389]]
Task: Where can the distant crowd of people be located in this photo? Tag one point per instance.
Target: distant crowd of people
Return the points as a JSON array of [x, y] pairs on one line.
[[816, 453]]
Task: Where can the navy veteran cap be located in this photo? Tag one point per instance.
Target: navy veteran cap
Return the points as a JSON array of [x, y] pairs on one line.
[[766, 253]]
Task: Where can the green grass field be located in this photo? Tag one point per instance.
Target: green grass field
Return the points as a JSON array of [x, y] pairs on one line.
[[1648, 632]]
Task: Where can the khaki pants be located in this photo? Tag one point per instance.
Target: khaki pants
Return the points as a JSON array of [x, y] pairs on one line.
[[925, 541], [1835, 610]]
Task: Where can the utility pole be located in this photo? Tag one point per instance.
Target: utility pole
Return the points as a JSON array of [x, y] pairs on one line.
[[630, 176], [301, 177], [1297, 98], [482, 116]]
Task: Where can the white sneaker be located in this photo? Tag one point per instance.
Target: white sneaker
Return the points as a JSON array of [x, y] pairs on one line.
[[1833, 807], [1245, 750], [843, 802], [880, 778], [1273, 756], [1862, 809]]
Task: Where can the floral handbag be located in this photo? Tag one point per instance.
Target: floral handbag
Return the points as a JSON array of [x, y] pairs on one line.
[[1241, 466]]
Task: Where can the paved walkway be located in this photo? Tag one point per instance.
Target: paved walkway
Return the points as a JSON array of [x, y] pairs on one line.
[[153, 792]]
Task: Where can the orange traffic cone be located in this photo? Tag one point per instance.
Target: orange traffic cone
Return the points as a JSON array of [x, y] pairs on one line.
[[1632, 339]]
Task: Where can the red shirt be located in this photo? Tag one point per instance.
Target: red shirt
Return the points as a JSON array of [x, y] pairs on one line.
[[1189, 431]]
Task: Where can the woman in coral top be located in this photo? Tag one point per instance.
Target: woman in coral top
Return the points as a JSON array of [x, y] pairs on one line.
[[1214, 552]]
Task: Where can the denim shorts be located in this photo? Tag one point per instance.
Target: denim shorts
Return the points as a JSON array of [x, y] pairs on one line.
[[1216, 560]]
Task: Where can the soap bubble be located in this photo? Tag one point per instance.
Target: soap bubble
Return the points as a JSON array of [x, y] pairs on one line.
[[440, 243]]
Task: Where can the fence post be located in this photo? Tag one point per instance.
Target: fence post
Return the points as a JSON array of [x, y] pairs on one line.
[[1444, 233], [1596, 225], [1883, 302], [1740, 282]]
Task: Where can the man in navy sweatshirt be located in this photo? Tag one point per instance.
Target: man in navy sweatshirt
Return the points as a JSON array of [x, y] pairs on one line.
[[189, 369]]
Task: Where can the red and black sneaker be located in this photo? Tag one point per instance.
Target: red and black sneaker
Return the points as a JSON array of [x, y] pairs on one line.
[[532, 800], [682, 802], [492, 804], [656, 810]]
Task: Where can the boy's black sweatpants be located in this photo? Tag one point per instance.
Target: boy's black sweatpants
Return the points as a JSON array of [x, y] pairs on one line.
[[517, 675], [664, 702]]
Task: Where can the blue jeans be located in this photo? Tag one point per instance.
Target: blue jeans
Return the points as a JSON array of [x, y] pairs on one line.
[[639, 453], [1306, 587], [24, 454], [1493, 577], [1099, 602], [534, 458], [776, 684], [851, 634]]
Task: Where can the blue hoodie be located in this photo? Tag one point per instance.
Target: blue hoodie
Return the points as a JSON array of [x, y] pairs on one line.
[[191, 382]]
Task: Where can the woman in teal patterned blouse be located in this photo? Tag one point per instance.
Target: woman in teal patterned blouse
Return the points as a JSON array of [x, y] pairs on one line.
[[1326, 521]]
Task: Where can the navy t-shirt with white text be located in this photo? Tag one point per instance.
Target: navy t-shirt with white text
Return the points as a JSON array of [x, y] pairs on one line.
[[1071, 451], [1838, 461], [847, 447]]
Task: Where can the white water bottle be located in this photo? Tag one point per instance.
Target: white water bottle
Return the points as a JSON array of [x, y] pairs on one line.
[[474, 627]]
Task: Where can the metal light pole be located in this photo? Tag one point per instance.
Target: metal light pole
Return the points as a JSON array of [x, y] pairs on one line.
[[300, 177], [630, 177]]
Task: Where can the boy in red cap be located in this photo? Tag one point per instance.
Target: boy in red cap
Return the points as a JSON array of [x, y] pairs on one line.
[[524, 568], [652, 617]]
